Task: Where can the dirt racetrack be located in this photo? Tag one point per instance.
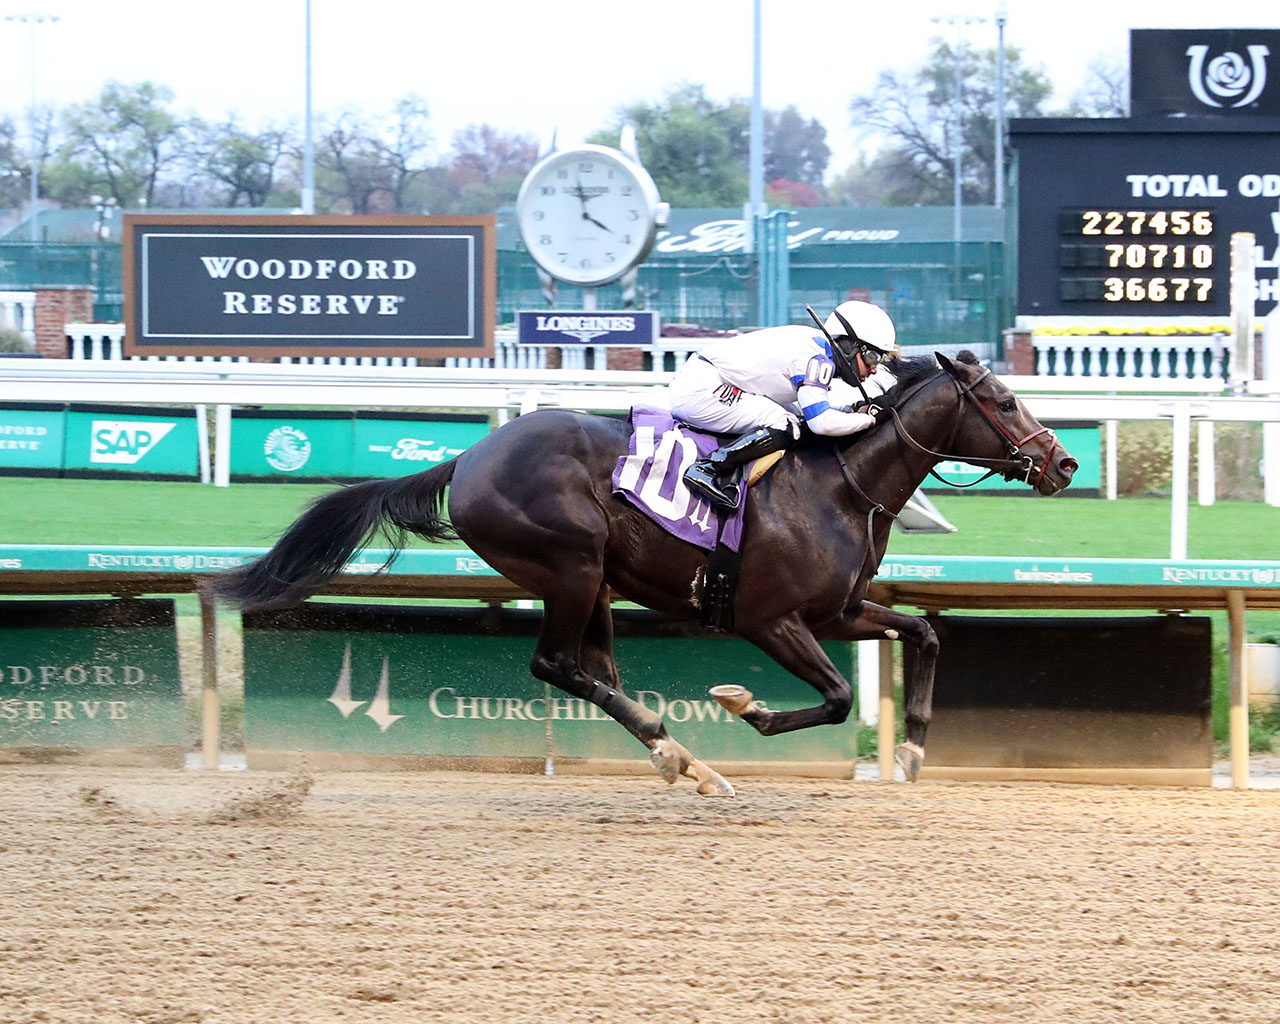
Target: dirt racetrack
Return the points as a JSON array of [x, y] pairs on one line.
[[232, 898]]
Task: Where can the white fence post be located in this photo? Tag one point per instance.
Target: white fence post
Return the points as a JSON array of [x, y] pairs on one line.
[[1206, 476], [222, 446], [1113, 460], [868, 681], [1271, 431], [1181, 473], [202, 441]]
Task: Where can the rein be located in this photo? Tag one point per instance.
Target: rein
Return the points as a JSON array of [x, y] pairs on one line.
[[1017, 462]]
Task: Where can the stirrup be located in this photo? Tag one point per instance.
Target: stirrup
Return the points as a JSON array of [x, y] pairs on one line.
[[721, 499]]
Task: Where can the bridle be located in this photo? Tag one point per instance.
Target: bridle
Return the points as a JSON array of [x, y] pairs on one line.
[[1017, 465]]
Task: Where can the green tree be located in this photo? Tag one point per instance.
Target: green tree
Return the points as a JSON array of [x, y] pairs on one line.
[[241, 164], [697, 150], [795, 150], [694, 148], [126, 140], [914, 113], [15, 182]]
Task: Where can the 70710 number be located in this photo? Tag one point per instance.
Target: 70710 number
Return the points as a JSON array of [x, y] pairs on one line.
[[1157, 289]]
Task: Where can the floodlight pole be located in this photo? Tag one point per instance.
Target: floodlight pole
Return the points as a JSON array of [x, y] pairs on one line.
[[308, 148], [958, 21], [755, 139], [32, 20], [1002, 16]]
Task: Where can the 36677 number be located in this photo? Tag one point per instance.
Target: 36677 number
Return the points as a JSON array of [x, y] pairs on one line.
[[1158, 289]]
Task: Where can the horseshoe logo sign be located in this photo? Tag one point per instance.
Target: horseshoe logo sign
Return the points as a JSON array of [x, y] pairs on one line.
[[1227, 77]]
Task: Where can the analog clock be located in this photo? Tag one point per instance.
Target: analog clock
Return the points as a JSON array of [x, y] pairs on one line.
[[589, 214]]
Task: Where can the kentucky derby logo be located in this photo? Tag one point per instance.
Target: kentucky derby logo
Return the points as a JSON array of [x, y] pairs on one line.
[[287, 449], [1228, 77]]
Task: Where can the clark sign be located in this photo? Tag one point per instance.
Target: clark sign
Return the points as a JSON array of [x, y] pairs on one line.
[[309, 286]]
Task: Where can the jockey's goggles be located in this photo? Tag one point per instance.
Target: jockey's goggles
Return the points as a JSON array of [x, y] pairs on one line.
[[870, 356]]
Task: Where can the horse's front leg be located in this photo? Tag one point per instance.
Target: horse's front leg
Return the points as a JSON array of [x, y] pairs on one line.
[[868, 621], [791, 643]]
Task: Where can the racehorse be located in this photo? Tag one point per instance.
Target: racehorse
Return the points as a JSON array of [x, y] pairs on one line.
[[534, 499]]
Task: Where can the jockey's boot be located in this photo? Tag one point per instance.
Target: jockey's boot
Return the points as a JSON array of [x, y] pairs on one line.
[[704, 477]]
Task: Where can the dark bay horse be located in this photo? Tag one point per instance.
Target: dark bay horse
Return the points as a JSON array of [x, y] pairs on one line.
[[534, 500]]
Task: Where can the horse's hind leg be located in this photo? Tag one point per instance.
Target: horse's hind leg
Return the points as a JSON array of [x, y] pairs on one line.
[[575, 647]]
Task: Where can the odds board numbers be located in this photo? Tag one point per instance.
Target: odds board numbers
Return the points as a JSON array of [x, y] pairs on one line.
[[1164, 256]]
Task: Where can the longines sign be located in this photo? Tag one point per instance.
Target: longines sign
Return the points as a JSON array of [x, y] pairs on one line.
[[576, 327], [309, 286]]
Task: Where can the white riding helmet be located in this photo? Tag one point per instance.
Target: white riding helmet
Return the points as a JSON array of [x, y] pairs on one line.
[[865, 323]]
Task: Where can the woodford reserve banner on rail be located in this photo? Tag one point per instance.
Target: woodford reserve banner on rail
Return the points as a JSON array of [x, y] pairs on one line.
[[421, 287], [98, 678]]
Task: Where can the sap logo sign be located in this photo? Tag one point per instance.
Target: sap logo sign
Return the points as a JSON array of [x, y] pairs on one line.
[[124, 442]]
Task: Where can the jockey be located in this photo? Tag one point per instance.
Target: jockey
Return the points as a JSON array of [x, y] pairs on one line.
[[761, 384]]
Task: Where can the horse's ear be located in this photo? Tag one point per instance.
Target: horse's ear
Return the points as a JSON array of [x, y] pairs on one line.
[[947, 364]]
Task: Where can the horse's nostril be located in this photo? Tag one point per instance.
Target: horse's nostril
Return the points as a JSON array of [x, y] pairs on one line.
[[1069, 466]]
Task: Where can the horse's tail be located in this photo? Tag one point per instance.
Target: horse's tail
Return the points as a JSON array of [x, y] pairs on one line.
[[322, 540]]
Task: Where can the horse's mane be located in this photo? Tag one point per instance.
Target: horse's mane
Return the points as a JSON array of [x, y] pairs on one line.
[[908, 373]]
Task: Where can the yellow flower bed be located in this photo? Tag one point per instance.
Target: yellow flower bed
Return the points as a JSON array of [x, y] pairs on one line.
[[1152, 332]]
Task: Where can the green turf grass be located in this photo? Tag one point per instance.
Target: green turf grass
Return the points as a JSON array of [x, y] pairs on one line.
[[43, 511], [145, 512], [1096, 528]]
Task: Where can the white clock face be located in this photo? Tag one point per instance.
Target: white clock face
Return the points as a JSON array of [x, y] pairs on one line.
[[587, 215]]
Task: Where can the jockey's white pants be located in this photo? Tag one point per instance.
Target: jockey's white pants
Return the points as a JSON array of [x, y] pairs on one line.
[[700, 398]]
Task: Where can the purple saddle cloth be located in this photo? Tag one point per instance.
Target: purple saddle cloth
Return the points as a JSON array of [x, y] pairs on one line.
[[650, 476]]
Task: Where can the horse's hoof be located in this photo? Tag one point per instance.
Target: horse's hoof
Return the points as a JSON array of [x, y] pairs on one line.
[[670, 759], [735, 699], [716, 786], [910, 757]]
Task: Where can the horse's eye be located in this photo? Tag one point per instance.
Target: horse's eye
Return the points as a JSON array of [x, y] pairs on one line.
[[1008, 405]]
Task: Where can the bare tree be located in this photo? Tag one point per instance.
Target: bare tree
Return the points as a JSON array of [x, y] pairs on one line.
[[914, 113], [483, 171], [404, 149], [1105, 92]]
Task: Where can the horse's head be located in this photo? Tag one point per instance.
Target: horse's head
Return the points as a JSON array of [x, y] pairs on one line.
[[993, 424]]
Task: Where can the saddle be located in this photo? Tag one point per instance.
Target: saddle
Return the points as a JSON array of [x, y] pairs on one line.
[[652, 485]]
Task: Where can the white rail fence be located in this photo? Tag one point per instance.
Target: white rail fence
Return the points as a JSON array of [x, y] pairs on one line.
[[229, 385], [106, 342], [1142, 356], [18, 311], [1137, 356]]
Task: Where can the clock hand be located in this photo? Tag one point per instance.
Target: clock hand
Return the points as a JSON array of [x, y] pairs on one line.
[[587, 216]]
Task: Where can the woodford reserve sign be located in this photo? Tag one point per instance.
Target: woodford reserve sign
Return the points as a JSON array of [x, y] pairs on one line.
[[84, 676], [272, 286]]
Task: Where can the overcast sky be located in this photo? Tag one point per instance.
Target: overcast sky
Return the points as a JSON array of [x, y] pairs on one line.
[[528, 66]]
